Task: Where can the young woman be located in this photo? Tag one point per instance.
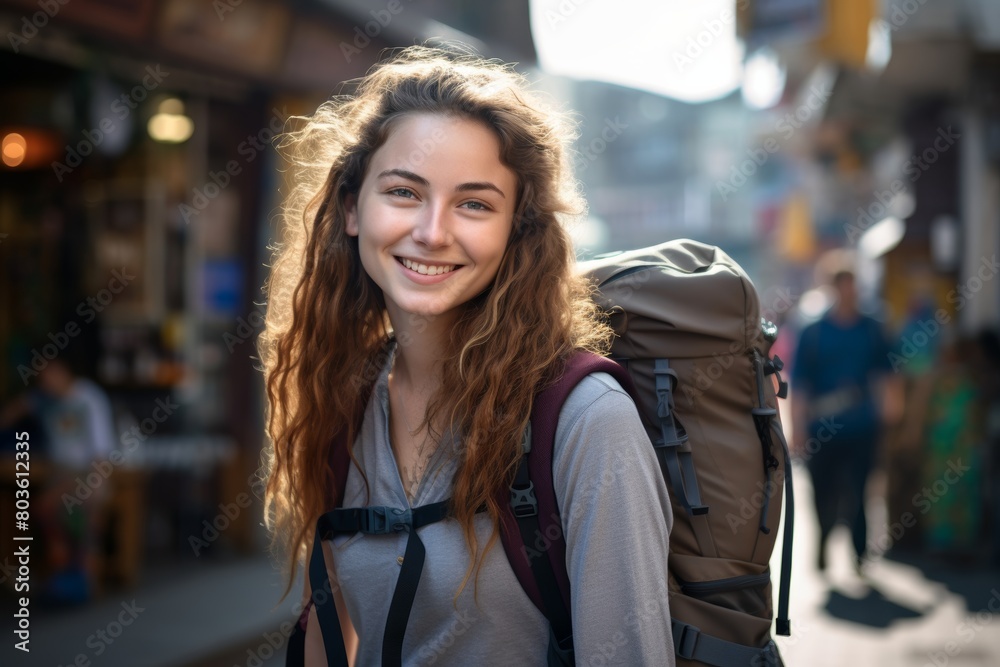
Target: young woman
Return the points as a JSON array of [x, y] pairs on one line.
[[423, 294]]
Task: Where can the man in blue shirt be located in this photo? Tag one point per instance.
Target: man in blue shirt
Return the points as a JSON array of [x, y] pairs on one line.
[[841, 363]]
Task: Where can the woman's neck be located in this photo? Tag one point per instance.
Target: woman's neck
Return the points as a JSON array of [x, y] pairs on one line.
[[420, 345]]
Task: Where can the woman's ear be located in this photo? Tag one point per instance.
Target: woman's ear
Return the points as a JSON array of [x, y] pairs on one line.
[[351, 214]]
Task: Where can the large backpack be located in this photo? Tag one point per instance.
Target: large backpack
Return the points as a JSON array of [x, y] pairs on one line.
[[690, 334], [692, 352]]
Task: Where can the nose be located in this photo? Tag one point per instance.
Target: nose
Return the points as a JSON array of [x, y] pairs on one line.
[[432, 229]]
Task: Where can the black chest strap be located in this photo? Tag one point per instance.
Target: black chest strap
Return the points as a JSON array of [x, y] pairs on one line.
[[379, 520]]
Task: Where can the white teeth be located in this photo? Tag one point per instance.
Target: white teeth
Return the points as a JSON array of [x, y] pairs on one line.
[[426, 270]]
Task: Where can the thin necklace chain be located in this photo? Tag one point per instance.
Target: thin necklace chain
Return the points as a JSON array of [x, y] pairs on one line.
[[411, 481]]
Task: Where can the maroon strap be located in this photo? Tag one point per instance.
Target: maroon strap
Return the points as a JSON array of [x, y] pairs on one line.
[[304, 616], [544, 419]]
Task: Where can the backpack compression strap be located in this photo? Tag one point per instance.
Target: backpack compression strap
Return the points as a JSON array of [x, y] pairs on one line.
[[676, 460], [766, 422], [531, 530], [692, 644]]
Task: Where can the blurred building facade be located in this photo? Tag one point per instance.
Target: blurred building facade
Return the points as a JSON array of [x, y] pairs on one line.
[[902, 167]]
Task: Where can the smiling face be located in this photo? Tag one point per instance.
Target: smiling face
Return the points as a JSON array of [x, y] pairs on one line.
[[433, 214]]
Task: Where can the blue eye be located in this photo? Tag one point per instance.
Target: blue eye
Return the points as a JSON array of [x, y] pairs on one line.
[[401, 192], [476, 206]]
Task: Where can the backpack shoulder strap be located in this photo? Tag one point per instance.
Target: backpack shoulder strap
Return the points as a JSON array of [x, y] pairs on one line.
[[333, 640], [533, 540]]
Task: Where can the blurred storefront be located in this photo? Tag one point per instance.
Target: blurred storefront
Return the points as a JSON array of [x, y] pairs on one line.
[[903, 168], [139, 186]]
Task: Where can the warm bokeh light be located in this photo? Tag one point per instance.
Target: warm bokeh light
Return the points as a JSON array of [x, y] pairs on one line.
[[14, 149], [170, 125]]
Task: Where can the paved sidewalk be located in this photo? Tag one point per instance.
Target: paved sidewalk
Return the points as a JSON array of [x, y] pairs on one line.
[[920, 614], [202, 614]]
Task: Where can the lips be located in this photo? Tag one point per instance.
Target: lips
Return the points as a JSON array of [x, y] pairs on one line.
[[427, 269]]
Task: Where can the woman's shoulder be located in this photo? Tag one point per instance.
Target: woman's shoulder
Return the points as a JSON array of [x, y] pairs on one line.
[[602, 444], [598, 391], [597, 410]]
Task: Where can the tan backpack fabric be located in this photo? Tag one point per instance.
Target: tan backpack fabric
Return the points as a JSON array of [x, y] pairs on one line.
[[691, 336]]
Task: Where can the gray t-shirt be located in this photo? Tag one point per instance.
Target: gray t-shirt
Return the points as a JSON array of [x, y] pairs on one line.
[[616, 517]]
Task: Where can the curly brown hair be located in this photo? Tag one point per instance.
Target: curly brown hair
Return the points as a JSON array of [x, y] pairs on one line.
[[326, 327]]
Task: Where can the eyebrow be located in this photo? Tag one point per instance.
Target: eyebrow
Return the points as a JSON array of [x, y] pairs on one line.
[[463, 187]]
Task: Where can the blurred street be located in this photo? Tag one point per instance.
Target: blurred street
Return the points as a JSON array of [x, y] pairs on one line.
[[901, 614], [845, 153], [222, 614]]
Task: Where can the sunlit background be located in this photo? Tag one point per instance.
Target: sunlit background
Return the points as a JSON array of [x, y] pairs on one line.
[[138, 191]]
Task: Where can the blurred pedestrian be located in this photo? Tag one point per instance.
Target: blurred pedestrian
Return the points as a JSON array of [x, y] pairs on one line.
[[914, 357], [950, 497], [432, 294], [76, 419], [839, 404]]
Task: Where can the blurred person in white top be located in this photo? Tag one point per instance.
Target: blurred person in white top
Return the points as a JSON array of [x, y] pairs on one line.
[[78, 434]]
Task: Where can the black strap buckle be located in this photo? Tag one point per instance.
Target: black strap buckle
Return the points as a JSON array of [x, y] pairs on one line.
[[382, 520], [523, 501], [769, 655], [686, 641]]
